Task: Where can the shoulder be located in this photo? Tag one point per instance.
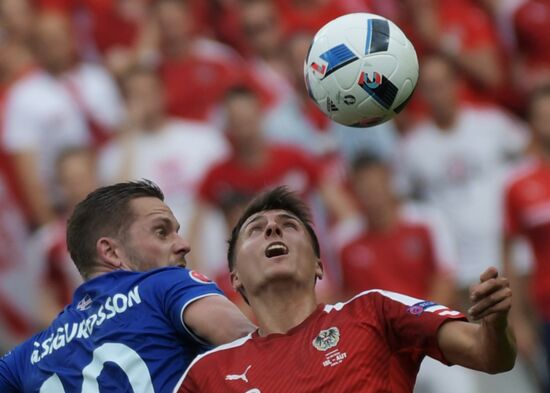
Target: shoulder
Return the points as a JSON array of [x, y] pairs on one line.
[[420, 214], [29, 87], [521, 173], [375, 299], [199, 131], [213, 51], [14, 364], [420, 134], [169, 275], [219, 353], [289, 151], [92, 71]]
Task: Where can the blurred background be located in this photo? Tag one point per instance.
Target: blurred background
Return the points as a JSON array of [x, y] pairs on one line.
[[207, 99]]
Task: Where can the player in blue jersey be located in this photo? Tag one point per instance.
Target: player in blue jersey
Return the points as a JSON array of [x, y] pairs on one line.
[[139, 318]]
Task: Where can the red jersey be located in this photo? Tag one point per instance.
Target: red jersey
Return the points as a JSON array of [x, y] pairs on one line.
[[387, 259], [532, 25], [105, 25], [196, 84], [527, 213], [284, 165], [373, 343], [303, 18], [465, 28]]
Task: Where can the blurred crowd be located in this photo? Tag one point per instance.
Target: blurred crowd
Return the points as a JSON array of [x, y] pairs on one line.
[[207, 99]]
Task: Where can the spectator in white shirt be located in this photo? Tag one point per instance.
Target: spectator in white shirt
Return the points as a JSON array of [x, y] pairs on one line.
[[172, 152], [63, 103], [457, 160]]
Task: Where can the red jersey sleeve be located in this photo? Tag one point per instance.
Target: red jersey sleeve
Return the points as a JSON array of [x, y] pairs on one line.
[[411, 324]]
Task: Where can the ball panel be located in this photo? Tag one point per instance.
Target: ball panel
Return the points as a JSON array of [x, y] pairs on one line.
[[361, 69]]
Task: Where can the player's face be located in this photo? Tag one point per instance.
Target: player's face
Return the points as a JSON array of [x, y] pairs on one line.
[[152, 239], [274, 246]]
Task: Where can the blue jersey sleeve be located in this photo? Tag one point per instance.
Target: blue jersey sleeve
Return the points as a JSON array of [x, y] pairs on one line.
[[181, 287], [8, 380]]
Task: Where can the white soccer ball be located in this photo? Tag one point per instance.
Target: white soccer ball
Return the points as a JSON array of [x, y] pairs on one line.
[[361, 69]]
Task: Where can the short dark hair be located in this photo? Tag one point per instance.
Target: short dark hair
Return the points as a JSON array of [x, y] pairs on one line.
[[367, 159], [239, 91], [279, 198], [105, 212]]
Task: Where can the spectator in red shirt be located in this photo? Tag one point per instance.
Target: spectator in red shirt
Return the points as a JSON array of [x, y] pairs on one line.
[[107, 28], [262, 30], [527, 207], [310, 15], [397, 239], [195, 71], [254, 165], [461, 31], [532, 28]]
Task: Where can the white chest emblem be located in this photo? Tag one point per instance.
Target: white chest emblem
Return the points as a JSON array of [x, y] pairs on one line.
[[236, 377], [326, 339]]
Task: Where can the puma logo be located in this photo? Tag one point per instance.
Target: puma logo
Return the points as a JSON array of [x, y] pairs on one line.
[[236, 377]]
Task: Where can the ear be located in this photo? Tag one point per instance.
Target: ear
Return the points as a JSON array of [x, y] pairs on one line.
[[238, 285], [235, 281], [109, 253], [319, 271]]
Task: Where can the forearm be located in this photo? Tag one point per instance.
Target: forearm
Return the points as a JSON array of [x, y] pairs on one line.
[[488, 346], [496, 347]]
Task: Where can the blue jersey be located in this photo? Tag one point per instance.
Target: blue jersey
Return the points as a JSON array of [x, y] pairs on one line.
[[123, 333]]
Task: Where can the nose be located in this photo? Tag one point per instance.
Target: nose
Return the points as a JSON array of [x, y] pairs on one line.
[[273, 229], [181, 247]]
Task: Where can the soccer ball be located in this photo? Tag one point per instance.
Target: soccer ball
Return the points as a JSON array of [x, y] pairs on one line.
[[361, 69]]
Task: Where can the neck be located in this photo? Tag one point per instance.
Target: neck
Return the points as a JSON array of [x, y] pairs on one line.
[[445, 120], [282, 307], [177, 50], [154, 123], [252, 155]]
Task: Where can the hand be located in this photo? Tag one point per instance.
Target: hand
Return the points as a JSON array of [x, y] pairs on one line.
[[492, 299]]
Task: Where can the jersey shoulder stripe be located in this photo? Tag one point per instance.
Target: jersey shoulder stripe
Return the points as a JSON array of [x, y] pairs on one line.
[[233, 344], [398, 297]]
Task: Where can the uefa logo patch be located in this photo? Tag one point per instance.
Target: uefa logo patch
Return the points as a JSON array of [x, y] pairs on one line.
[[199, 277]]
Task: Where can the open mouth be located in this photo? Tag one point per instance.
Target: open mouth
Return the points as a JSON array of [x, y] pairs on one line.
[[276, 249]]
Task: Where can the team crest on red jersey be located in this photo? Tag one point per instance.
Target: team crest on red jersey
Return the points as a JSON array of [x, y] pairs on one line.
[[327, 339]]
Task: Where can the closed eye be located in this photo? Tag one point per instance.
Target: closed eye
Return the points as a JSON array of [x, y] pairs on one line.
[[290, 224], [254, 228]]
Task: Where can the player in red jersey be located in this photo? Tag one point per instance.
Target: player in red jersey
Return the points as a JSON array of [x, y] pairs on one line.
[[527, 215], [374, 342]]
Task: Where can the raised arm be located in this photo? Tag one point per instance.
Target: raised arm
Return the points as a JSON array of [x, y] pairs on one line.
[[488, 346], [216, 320]]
